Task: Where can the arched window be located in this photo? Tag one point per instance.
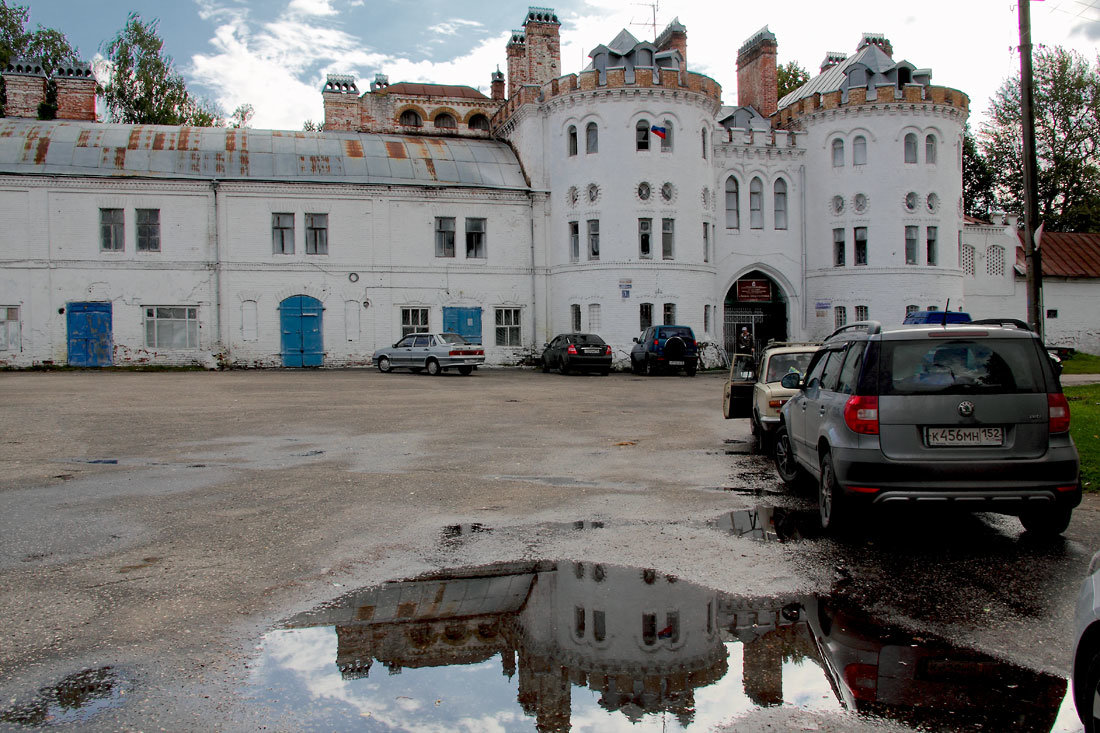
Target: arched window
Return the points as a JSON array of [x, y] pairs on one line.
[[641, 131], [666, 141], [995, 261], [859, 150], [930, 149], [911, 309], [838, 153], [780, 204], [756, 204], [410, 118], [910, 148], [733, 204], [704, 144], [591, 138], [445, 122], [572, 139], [479, 122]]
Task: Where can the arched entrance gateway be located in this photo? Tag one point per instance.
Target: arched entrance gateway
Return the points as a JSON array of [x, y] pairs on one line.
[[755, 302]]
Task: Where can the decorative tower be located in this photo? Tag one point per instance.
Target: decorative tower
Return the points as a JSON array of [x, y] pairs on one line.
[[341, 97], [497, 86], [543, 45], [756, 73]]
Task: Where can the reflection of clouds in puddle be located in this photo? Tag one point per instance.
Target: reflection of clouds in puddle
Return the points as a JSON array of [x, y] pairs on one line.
[[806, 686], [1067, 720]]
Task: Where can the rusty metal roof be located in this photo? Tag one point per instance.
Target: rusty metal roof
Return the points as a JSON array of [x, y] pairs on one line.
[[433, 90], [65, 148], [1066, 254]]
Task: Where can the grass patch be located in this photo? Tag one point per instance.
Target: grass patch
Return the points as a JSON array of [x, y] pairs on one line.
[[1081, 363], [1084, 409]]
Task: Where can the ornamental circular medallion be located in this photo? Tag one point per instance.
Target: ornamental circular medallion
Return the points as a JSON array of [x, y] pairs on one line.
[[859, 203], [593, 193], [911, 200], [668, 191], [838, 205], [933, 202], [573, 195], [643, 191]]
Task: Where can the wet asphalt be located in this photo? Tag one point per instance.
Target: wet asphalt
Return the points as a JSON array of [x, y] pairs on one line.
[[161, 529]]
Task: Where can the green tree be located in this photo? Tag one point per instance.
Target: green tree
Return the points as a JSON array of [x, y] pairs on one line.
[[978, 197], [242, 116], [144, 87], [1067, 141], [790, 76], [48, 46], [311, 126]]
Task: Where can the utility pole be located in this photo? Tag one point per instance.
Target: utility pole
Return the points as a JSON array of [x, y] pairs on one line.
[[1032, 256]]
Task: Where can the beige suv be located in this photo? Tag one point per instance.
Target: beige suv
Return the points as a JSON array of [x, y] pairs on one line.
[[768, 395]]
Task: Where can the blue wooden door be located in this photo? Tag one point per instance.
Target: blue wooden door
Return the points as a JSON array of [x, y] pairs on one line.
[[91, 343], [466, 322], [300, 321]]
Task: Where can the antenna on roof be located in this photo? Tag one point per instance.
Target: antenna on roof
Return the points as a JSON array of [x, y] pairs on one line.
[[945, 309], [654, 6]]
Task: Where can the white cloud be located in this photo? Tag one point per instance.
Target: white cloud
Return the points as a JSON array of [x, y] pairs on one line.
[[452, 27], [311, 7]]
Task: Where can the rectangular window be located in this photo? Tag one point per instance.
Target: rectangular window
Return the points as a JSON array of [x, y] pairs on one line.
[[507, 325], [599, 626], [671, 631], [706, 242], [574, 241], [862, 313], [9, 328], [649, 629], [111, 230], [316, 234], [840, 316], [594, 317], [668, 238], [593, 239], [911, 245], [670, 314], [575, 317], [578, 622], [838, 248], [861, 245], [444, 236], [148, 230], [780, 205], [932, 234], [475, 239], [706, 319], [645, 233], [645, 316], [171, 327], [282, 234], [414, 320], [756, 204]]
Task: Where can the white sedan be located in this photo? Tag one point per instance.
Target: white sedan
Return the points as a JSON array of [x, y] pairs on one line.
[[434, 353]]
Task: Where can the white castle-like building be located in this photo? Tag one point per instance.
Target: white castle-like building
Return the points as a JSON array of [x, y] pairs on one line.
[[606, 200]]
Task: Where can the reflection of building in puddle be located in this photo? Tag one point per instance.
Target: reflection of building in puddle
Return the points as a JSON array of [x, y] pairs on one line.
[[645, 643], [767, 523]]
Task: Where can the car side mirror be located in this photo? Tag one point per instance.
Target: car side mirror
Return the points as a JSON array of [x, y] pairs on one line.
[[791, 381], [636, 340], [546, 346]]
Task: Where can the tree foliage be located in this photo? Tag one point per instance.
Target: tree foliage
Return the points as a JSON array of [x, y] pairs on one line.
[[144, 86], [790, 76], [242, 116], [977, 179], [1066, 94], [48, 46]]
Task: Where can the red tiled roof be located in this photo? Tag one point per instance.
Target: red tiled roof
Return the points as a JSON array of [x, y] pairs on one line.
[[1067, 254], [434, 90]]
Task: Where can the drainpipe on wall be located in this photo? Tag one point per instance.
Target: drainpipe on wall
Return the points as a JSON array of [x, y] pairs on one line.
[[802, 204], [221, 341], [534, 282]]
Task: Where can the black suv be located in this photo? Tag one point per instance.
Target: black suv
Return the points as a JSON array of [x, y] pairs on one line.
[[665, 348], [969, 416]]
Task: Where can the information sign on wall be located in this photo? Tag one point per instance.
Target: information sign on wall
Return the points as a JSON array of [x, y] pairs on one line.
[[754, 291]]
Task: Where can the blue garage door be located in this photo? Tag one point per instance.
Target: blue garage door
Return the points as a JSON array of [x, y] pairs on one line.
[[300, 320], [466, 322], [89, 328]]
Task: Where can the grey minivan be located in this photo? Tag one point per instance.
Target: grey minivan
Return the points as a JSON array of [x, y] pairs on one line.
[[968, 416]]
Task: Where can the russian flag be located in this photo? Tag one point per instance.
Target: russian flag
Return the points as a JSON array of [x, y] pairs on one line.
[[659, 131], [666, 632]]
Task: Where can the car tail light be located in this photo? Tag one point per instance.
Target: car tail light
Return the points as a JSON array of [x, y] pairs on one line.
[[572, 350], [776, 403], [862, 680], [1058, 410], [695, 344], [656, 343], [607, 350], [861, 414]]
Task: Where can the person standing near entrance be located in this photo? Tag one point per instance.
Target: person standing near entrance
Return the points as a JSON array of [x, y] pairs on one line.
[[744, 341]]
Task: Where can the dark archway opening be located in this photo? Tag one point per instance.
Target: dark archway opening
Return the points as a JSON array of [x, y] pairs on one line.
[[755, 302]]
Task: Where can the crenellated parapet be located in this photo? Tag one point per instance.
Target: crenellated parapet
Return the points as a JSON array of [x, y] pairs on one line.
[[873, 98]]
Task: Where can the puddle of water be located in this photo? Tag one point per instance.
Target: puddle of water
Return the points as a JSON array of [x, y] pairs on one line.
[[771, 524], [74, 699], [550, 646], [458, 531]]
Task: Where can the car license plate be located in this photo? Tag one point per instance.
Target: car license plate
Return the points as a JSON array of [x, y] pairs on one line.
[[964, 436], [592, 351], [675, 363]]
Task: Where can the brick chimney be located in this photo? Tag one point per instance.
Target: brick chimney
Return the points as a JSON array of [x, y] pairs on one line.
[[876, 39], [75, 92], [517, 62], [543, 45], [341, 97], [675, 36], [25, 85], [832, 58], [757, 85], [497, 86]]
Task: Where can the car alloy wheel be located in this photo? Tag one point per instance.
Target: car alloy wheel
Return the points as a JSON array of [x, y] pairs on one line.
[[830, 497], [384, 364], [433, 367], [785, 463]]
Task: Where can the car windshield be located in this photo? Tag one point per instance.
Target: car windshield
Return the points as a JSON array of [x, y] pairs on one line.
[[669, 332], [960, 366], [782, 364], [452, 338]]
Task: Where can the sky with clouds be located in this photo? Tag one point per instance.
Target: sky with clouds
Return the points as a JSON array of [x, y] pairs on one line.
[[274, 54]]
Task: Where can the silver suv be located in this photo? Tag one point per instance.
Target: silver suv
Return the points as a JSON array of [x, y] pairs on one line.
[[968, 416]]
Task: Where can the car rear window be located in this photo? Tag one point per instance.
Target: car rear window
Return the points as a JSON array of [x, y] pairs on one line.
[[452, 338], [962, 366], [587, 338], [783, 364], [669, 332]]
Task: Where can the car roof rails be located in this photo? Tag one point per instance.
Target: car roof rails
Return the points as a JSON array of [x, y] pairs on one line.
[[868, 327], [1014, 322], [773, 344]]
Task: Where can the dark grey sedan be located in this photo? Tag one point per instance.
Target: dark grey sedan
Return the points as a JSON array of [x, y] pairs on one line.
[[434, 353], [577, 352]]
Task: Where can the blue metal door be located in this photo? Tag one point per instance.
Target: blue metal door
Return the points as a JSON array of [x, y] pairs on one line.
[[91, 343], [300, 321], [466, 322]]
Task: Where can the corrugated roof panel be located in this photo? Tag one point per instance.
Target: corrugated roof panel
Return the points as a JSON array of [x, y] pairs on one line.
[[1067, 254]]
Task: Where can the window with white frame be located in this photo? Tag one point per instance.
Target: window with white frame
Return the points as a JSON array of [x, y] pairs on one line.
[[171, 327], [591, 138], [859, 150], [593, 239], [669, 314], [572, 136], [575, 317], [641, 135], [838, 247], [733, 204], [668, 239], [111, 230], [316, 234], [863, 313], [966, 259], [645, 316], [594, 317], [574, 241], [475, 239], [444, 236], [706, 319], [508, 326], [910, 148], [414, 320], [838, 153], [756, 204], [911, 245], [148, 230], [995, 261], [282, 233], [706, 242], [861, 245], [780, 205], [930, 149], [840, 316], [645, 238], [933, 255], [9, 328]]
